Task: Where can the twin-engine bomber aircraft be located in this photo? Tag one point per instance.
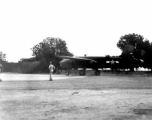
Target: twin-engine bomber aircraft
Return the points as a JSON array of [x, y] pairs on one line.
[[115, 63]]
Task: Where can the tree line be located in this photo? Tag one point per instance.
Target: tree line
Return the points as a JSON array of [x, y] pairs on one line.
[[2, 57], [50, 47]]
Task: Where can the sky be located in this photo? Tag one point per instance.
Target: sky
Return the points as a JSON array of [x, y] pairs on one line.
[[91, 27]]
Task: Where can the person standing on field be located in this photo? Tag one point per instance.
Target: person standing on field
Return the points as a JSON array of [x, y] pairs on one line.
[[51, 68]]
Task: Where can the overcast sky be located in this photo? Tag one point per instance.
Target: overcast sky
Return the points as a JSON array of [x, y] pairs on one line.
[[91, 27]]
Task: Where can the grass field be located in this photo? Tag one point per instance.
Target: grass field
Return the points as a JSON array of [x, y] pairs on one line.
[[109, 96]]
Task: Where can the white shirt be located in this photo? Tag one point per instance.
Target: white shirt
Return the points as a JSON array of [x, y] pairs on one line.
[[51, 68]]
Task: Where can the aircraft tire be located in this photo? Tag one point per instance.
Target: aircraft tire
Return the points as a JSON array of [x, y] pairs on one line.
[[97, 72], [132, 69], [67, 74], [82, 72]]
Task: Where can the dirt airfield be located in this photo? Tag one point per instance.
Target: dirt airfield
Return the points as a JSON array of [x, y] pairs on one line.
[[109, 96]]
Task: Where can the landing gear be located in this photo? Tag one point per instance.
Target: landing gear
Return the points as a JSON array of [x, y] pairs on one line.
[[67, 72], [97, 72], [132, 69], [82, 72]]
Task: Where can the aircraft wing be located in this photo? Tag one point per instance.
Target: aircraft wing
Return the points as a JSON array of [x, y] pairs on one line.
[[77, 58]]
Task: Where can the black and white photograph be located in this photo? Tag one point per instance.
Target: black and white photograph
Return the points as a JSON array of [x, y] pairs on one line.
[[75, 60]]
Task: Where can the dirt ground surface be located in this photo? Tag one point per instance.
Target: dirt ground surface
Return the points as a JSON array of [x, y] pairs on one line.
[[105, 97]]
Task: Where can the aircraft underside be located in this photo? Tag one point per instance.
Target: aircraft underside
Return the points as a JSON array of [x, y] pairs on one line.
[[82, 72], [115, 64]]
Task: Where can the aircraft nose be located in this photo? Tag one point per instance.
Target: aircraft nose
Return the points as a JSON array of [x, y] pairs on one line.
[[66, 63]]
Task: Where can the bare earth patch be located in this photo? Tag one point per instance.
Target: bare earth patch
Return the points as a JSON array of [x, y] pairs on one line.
[[90, 98], [76, 104]]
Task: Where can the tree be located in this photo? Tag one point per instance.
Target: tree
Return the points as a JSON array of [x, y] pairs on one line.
[[130, 39], [48, 49], [133, 43], [2, 56], [136, 45]]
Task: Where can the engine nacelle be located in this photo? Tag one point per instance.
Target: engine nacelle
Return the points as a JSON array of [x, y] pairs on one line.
[[66, 64]]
